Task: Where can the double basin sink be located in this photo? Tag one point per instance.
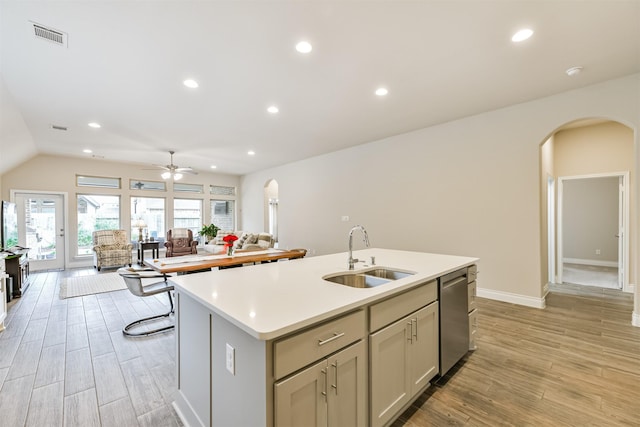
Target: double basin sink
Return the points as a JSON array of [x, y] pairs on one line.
[[368, 278]]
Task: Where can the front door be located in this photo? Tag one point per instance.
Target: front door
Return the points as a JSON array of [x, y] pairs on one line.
[[41, 229]]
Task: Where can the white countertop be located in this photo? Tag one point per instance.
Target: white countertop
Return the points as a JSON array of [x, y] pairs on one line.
[[270, 300]]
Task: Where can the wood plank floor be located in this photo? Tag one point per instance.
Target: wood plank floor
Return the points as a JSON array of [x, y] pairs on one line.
[[576, 363]]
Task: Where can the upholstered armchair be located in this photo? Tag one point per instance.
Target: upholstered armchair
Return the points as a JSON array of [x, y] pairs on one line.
[[111, 248], [180, 242]]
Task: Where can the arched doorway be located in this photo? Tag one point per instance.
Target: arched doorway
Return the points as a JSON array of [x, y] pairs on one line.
[[271, 208], [586, 151]]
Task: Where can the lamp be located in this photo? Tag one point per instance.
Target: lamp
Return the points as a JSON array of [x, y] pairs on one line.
[[176, 175], [139, 223]]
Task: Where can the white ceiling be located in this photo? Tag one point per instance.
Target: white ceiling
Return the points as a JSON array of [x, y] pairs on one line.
[[441, 60]]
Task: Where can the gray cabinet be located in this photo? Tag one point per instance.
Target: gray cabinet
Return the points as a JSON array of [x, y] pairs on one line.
[[404, 354], [331, 392]]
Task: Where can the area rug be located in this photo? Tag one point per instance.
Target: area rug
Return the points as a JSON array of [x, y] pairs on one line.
[[95, 284]]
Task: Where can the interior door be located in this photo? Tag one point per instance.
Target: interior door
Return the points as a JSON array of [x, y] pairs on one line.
[[41, 229]]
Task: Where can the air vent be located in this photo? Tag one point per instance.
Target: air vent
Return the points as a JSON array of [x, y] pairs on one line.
[[56, 127], [44, 33]]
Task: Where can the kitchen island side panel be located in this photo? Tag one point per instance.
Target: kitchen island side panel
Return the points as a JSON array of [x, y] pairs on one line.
[[239, 398], [193, 332]]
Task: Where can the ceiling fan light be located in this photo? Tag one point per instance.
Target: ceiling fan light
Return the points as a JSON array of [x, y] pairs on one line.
[[166, 175], [177, 176]]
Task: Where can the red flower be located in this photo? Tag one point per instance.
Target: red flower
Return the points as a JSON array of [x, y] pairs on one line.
[[229, 239]]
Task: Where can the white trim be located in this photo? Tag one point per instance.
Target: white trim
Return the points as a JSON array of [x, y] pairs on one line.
[[511, 298], [590, 262], [635, 319]]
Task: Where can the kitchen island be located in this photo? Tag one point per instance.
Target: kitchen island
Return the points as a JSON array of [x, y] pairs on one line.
[[268, 344]]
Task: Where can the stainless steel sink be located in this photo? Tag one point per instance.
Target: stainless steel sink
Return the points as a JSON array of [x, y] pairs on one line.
[[357, 280], [368, 278], [386, 273]]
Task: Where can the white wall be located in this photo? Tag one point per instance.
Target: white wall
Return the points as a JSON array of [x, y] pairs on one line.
[[468, 187], [590, 220]]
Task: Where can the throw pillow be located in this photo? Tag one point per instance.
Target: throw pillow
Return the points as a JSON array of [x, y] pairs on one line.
[[241, 240], [251, 240], [264, 240]]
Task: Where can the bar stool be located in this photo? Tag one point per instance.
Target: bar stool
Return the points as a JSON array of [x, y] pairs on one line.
[[134, 283]]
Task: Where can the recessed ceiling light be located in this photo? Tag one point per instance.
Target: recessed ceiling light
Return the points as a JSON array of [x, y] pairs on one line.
[[86, 150], [381, 91], [573, 71], [214, 167], [190, 83], [304, 47], [251, 152], [273, 109], [522, 35], [95, 125]]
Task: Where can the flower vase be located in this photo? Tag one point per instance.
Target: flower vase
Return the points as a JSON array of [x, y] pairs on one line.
[[230, 250]]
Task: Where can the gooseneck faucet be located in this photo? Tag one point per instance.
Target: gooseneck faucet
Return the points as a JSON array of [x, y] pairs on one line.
[[352, 261]]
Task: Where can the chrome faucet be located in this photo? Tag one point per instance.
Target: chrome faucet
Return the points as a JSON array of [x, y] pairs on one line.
[[352, 261]]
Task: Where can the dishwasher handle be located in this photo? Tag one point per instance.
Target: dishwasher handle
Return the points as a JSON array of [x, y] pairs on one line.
[[455, 282]]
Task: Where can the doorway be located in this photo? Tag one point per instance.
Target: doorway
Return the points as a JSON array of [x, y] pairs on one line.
[[592, 222], [271, 209], [41, 228]]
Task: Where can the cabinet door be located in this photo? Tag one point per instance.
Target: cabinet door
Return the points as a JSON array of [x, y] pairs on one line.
[[423, 353], [301, 400], [390, 385], [347, 387]]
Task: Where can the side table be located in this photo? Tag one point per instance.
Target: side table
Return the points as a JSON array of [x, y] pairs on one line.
[[155, 250]]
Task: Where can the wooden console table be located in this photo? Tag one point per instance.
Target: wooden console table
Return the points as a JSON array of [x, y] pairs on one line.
[[155, 250], [190, 263]]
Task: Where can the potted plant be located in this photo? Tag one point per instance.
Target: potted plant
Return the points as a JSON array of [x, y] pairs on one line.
[[209, 232]]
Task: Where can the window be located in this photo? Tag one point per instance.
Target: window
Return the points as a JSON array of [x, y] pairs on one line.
[[97, 181], [187, 213], [152, 213], [218, 190], [95, 212], [223, 214], [138, 184], [180, 187]]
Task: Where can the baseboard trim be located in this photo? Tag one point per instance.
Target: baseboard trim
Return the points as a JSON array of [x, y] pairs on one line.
[[511, 298], [593, 262], [635, 319]]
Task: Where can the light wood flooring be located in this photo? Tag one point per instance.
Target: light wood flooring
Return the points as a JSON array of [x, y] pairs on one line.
[[575, 363]]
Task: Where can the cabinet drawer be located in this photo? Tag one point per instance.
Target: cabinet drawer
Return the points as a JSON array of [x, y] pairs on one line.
[[472, 296], [297, 351], [473, 329], [472, 273], [394, 308]]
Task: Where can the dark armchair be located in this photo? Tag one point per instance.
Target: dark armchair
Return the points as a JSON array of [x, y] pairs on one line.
[[180, 242]]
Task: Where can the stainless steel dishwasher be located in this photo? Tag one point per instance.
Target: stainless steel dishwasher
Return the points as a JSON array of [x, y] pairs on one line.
[[454, 318]]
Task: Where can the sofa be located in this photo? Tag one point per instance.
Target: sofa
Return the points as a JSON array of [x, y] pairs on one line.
[[246, 240], [111, 248]]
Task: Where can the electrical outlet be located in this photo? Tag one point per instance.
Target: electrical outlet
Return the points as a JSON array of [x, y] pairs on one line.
[[345, 218], [231, 359], [597, 251]]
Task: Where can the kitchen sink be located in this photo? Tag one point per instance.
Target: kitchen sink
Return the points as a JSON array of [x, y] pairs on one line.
[[368, 278], [386, 273], [357, 280]]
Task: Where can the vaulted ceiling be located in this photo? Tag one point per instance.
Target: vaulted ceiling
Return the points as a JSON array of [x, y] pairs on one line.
[[122, 64]]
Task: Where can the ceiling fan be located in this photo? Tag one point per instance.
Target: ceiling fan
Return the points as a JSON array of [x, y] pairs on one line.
[[174, 171]]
